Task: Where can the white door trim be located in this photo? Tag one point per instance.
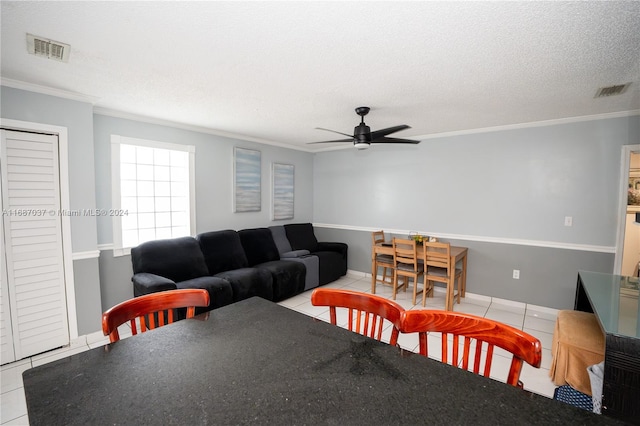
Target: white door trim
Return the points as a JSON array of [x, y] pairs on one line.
[[622, 203], [63, 148]]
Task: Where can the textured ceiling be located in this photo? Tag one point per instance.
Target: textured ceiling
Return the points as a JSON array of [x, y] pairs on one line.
[[273, 71]]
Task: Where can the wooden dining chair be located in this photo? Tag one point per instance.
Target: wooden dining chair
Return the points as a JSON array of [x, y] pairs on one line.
[[486, 334], [407, 265], [151, 310], [439, 268], [367, 313], [381, 257]]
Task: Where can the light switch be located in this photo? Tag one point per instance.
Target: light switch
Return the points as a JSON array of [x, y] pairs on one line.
[[568, 221]]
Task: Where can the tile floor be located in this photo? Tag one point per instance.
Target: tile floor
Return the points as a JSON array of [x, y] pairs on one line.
[[536, 320]]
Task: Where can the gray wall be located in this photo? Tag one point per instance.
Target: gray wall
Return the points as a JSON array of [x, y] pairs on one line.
[[77, 117], [503, 194], [214, 183], [547, 275], [88, 307]]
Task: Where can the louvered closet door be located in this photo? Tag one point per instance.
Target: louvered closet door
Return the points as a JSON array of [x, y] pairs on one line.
[[6, 336], [33, 242]]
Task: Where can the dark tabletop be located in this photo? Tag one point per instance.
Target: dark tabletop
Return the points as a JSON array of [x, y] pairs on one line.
[[257, 362]]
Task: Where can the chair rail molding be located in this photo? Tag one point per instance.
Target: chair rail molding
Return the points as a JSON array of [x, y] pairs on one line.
[[483, 239]]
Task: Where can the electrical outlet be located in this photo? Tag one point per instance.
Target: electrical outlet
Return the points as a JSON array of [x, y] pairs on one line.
[[568, 221], [516, 274]]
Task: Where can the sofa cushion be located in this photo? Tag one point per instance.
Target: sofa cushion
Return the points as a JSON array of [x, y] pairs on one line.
[[146, 283], [220, 292], [222, 251], [301, 236], [294, 253], [178, 259], [288, 277], [258, 245], [249, 282], [333, 265], [312, 264]]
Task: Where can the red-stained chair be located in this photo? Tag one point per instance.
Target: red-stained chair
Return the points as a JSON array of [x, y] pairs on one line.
[[153, 310], [367, 311], [485, 332]]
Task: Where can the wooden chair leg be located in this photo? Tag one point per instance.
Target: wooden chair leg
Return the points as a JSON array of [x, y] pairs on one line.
[[415, 289], [449, 298], [395, 285], [385, 279], [374, 275]]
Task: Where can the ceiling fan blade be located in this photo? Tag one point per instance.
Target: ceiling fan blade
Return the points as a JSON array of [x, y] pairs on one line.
[[384, 132], [394, 140], [334, 131], [338, 140]]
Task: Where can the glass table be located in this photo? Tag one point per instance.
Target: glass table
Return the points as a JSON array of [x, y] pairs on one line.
[[614, 301]]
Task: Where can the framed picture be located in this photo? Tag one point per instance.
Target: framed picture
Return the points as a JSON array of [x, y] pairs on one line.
[[246, 180], [283, 189]]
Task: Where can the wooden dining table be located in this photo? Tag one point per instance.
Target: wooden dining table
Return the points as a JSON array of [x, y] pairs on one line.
[[261, 363], [458, 254]]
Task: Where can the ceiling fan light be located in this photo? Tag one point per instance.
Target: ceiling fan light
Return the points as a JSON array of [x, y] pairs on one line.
[[361, 145]]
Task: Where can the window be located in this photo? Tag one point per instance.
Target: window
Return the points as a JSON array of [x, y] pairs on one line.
[[152, 189]]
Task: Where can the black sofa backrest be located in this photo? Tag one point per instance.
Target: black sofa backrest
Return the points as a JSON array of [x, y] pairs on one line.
[[258, 245], [301, 236], [179, 259], [222, 251], [280, 238]]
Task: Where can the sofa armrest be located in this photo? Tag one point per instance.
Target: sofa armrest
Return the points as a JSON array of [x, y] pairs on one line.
[[294, 253], [145, 283], [328, 246]]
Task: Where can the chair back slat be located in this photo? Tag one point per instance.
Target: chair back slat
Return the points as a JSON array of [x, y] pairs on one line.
[[146, 308], [438, 255], [522, 346], [465, 353], [487, 365], [370, 311], [405, 251], [455, 360], [377, 237]]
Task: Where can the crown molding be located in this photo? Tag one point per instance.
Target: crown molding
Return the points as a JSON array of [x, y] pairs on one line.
[[17, 84], [200, 129], [543, 123], [60, 93]]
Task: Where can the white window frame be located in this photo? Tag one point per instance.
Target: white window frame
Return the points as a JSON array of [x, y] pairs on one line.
[[116, 141]]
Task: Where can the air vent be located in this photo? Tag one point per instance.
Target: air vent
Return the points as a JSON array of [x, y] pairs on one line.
[[49, 49], [618, 89]]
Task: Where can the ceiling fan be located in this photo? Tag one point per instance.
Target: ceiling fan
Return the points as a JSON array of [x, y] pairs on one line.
[[363, 136]]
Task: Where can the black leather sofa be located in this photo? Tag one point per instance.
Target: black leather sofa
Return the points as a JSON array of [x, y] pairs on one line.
[[235, 265]]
